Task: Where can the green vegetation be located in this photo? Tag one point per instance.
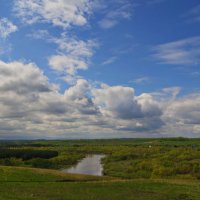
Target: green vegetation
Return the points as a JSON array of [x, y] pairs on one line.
[[27, 154], [126, 158], [133, 190], [140, 169], [19, 183], [154, 162], [24, 174]]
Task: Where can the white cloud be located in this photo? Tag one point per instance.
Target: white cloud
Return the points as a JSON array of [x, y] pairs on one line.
[[118, 10], [6, 28], [194, 14], [181, 52], [166, 96], [111, 103], [185, 110], [73, 55], [154, 2], [63, 13], [108, 23], [182, 116], [40, 34], [141, 80], [22, 78], [120, 102], [149, 106], [109, 60], [196, 129], [5, 47], [67, 64], [31, 107], [24, 89], [196, 74], [75, 47], [77, 91], [172, 92], [78, 95]]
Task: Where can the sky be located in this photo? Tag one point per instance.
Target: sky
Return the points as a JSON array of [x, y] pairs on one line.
[[73, 69]]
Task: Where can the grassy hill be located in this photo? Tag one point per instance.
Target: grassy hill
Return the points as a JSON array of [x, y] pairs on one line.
[[20, 183]]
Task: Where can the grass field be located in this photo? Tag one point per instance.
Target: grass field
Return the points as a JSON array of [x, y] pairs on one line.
[[145, 169], [25, 184]]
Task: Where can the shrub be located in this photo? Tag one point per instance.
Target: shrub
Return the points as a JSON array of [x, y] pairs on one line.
[[27, 154], [42, 163]]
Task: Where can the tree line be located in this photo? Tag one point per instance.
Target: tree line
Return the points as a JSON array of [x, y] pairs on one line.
[[26, 154]]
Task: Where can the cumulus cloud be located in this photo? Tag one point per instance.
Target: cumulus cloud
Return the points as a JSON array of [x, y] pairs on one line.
[[22, 85], [185, 110], [181, 52], [32, 107], [67, 63], [77, 91], [29, 104], [122, 106], [120, 102], [79, 96], [6, 28], [149, 106], [16, 77], [73, 55], [75, 47], [196, 129], [63, 13], [167, 94], [182, 116]]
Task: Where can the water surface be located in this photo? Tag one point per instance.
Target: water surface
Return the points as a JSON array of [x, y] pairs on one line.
[[91, 165]]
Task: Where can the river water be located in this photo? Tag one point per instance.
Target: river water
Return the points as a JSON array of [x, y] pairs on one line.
[[91, 165]]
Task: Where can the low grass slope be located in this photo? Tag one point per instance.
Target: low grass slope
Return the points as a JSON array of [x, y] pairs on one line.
[[106, 190], [25, 174]]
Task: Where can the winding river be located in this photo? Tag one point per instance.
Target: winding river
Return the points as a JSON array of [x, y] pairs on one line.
[[91, 165]]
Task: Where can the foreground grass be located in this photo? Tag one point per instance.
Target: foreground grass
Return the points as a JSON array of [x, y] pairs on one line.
[[18, 183], [24, 174], [113, 190]]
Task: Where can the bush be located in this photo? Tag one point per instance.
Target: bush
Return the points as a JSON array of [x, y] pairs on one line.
[[163, 171], [10, 162], [27, 154], [184, 168], [41, 163]]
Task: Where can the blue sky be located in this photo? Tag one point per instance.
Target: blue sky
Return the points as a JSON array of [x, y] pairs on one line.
[[95, 69]]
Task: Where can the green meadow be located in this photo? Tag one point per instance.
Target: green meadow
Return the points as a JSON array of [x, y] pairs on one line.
[[135, 169]]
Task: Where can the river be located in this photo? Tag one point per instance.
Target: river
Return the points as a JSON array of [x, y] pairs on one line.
[[91, 165]]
